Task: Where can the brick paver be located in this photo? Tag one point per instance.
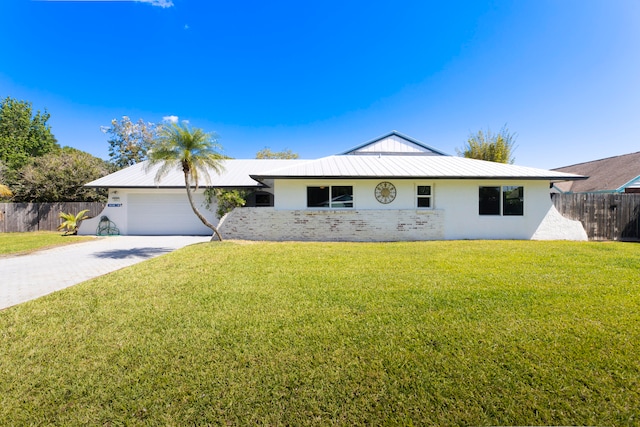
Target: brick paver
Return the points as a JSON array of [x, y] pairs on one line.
[[26, 277]]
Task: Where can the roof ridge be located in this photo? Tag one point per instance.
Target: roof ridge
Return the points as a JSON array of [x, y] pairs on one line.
[[597, 160]]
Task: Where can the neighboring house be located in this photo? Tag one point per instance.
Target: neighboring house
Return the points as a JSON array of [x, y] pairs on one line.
[[619, 174], [393, 188]]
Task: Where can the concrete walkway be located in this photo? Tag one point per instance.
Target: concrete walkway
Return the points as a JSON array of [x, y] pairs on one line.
[[26, 277]]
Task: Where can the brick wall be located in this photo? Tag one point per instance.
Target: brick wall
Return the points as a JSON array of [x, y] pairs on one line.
[[333, 225]]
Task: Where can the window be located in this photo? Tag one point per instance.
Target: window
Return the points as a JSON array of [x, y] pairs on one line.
[[489, 201], [258, 199], [264, 199], [507, 200], [337, 196], [424, 196], [512, 200]]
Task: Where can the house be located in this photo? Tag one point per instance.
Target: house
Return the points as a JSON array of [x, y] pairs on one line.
[[392, 188], [618, 174]]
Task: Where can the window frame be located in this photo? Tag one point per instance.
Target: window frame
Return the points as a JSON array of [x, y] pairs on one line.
[[502, 196], [519, 207], [418, 196], [331, 197]]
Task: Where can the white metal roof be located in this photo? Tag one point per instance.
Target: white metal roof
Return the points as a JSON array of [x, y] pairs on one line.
[[403, 158], [432, 167], [247, 173], [236, 174]]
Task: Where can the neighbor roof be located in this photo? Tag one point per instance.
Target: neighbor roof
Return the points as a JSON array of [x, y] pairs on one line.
[[612, 174], [429, 167], [235, 174]]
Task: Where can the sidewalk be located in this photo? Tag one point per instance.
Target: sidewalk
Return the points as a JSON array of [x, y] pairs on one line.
[[26, 277]]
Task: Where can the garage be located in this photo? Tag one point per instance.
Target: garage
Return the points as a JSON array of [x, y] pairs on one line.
[[166, 214]]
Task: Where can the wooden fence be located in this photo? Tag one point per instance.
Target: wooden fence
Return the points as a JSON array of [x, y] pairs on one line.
[[604, 216], [16, 217]]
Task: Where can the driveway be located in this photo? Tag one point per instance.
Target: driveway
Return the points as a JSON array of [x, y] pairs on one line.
[[26, 277]]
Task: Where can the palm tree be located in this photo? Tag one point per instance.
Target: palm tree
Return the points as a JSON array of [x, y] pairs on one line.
[[191, 150], [72, 222]]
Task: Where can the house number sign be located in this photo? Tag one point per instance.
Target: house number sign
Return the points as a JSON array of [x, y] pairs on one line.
[[385, 192]]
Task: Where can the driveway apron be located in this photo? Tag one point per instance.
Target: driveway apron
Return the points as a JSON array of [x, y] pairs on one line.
[[26, 277]]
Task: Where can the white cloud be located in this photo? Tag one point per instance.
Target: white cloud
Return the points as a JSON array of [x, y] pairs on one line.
[[160, 3], [170, 119]]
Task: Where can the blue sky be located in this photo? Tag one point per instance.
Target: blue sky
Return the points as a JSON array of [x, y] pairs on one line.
[[319, 77]]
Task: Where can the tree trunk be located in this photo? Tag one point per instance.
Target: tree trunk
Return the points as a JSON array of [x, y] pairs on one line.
[[216, 233]]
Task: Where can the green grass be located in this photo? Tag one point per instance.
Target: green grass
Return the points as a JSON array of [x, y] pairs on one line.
[[433, 333], [21, 243]]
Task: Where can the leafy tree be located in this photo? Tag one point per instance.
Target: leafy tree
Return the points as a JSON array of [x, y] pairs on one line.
[[72, 222], [129, 142], [60, 177], [266, 153], [226, 200], [23, 134], [489, 146], [190, 150]]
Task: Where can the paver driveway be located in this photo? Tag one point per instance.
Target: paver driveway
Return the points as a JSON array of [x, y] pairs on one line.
[[26, 277]]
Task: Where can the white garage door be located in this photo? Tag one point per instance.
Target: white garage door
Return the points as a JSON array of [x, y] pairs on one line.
[[165, 214]]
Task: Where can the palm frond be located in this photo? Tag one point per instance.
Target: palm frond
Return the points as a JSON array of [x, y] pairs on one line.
[[71, 221], [190, 150]]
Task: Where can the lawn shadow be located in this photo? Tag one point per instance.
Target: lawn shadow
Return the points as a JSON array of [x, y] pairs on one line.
[[149, 252]]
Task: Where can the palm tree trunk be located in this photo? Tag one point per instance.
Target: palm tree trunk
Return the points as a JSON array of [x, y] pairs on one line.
[[216, 233]]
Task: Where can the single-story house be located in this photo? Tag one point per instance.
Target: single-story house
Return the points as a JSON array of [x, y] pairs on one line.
[[618, 174], [393, 188]]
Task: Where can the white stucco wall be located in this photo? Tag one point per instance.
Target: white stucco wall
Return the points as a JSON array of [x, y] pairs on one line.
[[152, 212], [556, 227], [292, 194], [456, 200], [454, 214], [459, 199]]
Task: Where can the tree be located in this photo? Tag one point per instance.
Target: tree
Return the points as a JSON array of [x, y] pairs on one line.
[[60, 177], [489, 146], [190, 150], [129, 142], [266, 153], [22, 134], [226, 200]]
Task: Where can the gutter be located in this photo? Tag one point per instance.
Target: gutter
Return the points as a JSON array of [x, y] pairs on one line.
[[519, 178]]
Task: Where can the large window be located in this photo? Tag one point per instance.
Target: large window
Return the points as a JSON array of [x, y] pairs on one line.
[[335, 196], [424, 196], [506, 200]]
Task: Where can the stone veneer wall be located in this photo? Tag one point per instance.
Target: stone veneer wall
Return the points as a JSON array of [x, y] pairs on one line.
[[333, 225]]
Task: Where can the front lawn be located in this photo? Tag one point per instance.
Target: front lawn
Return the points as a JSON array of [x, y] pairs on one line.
[[432, 333], [19, 243]]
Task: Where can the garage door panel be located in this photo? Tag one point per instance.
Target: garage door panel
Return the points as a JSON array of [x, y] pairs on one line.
[[166, 214]]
